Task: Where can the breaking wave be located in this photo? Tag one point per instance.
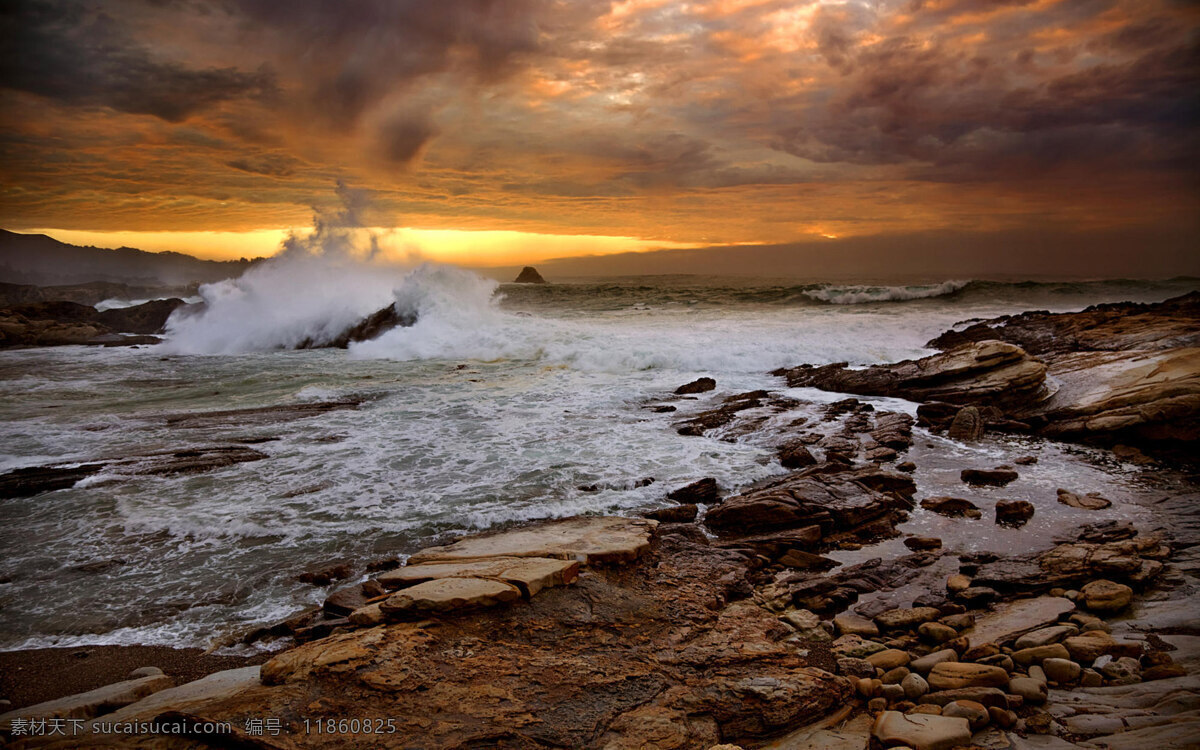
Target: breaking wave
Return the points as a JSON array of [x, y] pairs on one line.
[[857, 295]]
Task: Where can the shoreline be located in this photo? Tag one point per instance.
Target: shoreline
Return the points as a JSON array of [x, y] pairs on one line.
[[716, 618]]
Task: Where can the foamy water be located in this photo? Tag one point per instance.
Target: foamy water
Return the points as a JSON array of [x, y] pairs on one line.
[[499, 404]]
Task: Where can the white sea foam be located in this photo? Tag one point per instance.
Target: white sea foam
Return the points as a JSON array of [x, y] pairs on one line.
[[857, 295]]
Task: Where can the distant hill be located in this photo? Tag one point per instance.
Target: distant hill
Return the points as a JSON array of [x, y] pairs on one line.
[[44, 261]]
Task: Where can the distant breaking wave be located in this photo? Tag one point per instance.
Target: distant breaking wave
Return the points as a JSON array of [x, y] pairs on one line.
[[857, 295]]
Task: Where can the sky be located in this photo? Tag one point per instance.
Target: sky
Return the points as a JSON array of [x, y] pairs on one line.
[[493, 132]]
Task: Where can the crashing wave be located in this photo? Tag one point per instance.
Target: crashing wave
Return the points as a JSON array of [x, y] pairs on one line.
[[858, 295]]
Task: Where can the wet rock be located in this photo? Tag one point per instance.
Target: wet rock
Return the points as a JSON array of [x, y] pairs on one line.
[[371, 327], [703, 492], [326, 575], [973, 712], [1031, 690], [976, 373], [920, 731], [255, 416], [795, 455], [700, 385], [1090, 501], [976, 596], [529, 574], [952, 675], [1106, 596], [957, 582], [936, 633], [34, 480], [1025, 460], [102, 700], [675, 514], [901, 619], [925, 664], [724, 414], [952, 506], [345, 600], [1045, 636], [989, 477], [923, 543], [801, 560], [988, 696], [448, 595], [1037, 654], [914, 686], [852, 624], [1122, 671], [1062, 671], [907, 467], [1013, 512], [967, 425], [590, 539], [893, 430]]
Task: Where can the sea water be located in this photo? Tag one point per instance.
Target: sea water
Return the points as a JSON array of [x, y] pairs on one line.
[[502, 403]]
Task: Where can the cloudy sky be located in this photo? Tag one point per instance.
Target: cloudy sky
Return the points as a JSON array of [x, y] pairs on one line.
[[602, 126]]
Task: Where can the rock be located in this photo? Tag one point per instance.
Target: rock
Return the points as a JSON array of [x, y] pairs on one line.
[[967, 425], [795, 455], [976, 373], [957, 582], [989, 477], [1090, 678], [590, 539], [920, 731], [889, 659], [936, 633], [448, 595], [952, 507], [918, 543], [699, 385], [894, 676], [1106, 596], [906, 466], [1163, 671], [926, 663], [976, 596], [801, 560], [371, 327], [875, 705], [674, 514], [144, 672], [973, 712], [891, 693], [901, 619], [1090, 501], [1091, 725], [868, 687], [529, 275], [367, 616], [852, 667], [1013, 619], [702, 492], [1123, 671], [1062, 671], [1004, 661], [914, 686], [852, 624], [102, 700], [1013, 512], [1045, 636], [959, 621], [1037, 654], [951, 675], [1089, 646], [1025, 460], [856, 646], [988, 696], [1031, 690], [529, 574]]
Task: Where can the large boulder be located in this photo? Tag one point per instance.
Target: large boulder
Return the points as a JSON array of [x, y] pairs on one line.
[[987, 372]]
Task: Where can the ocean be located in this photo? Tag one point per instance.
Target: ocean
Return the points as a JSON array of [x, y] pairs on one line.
[[502, 403]]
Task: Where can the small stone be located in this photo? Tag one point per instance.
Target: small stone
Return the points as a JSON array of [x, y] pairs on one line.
[[1062, 671], [907, 467], [973, 712], [674, 514], [1035, 655], [875, 705], [892, 692], [1038, 673], [868, 687], [932, 709], [958, 645], [1122, 671], [982, 651], [1106, 596], [967, 426], [953, 507], [902, 619], [958, 582], [1090, 678], [1013, 512], [936, 633], [918, 543], [926, 663], [1089, 646], [795, 455], [889, 659], [959, 621], [920, 731], [1045, 636], [852, 667], [1002, 718], [1004, 661], [976, 596], [1039, 722], [1090, 501], [990, 477], [801, 619], [1026, 461], [699, 385], [894, 676], [950, 675], [856, 646], [1163, 671], [851, 624], [914, 686], [144, 672], [988, 696]]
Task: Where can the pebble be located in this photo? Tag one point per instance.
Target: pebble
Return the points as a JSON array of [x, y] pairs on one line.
[[1122, 671], [145, 672], [1004, 661], [1090, 678], [892, 693], [936, 632], [852, 667], [1062, 671], [932, 709], [1035, 655], [973, 712], [889, 659], [914, 686], [1106, 596], [1031, 690], [926, 663], [894, 676]]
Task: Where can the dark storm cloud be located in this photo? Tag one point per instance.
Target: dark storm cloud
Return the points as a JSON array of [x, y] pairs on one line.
[[64, 51], [956, 108]]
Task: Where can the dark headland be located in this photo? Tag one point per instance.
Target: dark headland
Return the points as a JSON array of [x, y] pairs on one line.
[[723, 617]]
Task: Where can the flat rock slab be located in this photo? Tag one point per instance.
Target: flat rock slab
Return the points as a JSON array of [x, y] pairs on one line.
[[448, 595], [215, 686], [921, 731], [588, 539], [529, 574], [93, 703], [1017, 618]]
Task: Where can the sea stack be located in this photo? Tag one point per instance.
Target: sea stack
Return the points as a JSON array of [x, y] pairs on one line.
[[529, 275]]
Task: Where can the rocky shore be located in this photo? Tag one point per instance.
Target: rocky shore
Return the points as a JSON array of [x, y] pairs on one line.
[[799, 612]]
